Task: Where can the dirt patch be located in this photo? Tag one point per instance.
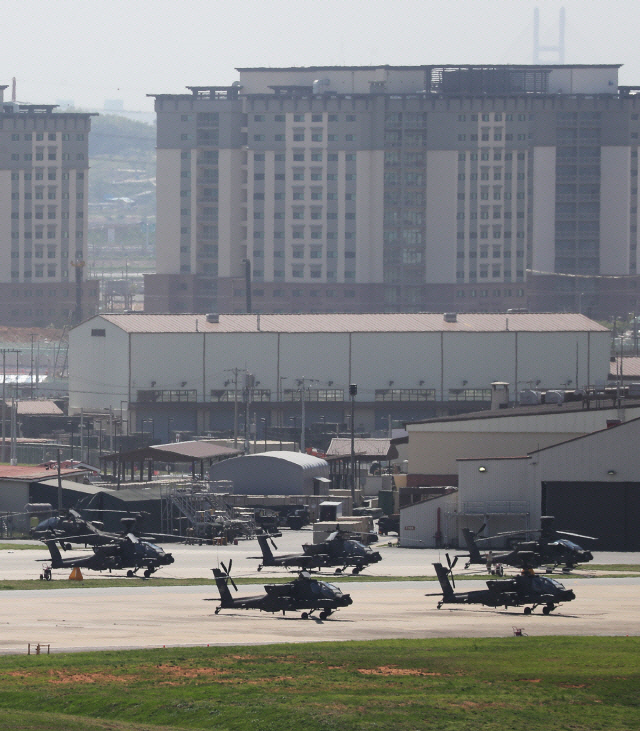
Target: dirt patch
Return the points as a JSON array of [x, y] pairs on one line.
[[390, 670], [181, 672]]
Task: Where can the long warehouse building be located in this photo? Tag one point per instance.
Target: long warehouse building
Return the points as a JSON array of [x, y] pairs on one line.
[[199, 373]]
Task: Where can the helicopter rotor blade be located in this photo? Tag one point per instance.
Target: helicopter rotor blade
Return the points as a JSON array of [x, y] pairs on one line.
[[227, 572], [273, 543], [482, 527], [575, 535]]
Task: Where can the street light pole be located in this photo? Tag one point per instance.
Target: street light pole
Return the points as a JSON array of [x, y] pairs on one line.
[[353, 392]]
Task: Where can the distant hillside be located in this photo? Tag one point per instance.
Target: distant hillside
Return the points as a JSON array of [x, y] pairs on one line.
[[118, 136]]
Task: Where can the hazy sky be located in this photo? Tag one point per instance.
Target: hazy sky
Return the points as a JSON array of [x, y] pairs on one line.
[[91, 50]]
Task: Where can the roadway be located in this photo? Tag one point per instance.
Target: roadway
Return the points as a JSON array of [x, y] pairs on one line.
[[145, 615]]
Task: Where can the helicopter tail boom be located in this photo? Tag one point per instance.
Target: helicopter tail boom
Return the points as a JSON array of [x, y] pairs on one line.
[[226, 600], [56, 558], [443, 578]]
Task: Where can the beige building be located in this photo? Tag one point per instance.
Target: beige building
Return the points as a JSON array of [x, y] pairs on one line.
[[44, 166], [436, 445], [399, 188]]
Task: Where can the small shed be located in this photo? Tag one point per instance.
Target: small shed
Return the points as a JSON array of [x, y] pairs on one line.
[[271, 473]]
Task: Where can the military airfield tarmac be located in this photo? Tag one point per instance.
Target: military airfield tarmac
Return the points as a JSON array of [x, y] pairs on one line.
[[147, 616]]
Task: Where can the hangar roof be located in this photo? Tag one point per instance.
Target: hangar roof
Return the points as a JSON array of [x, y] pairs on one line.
[[336, 323], [368, 448]]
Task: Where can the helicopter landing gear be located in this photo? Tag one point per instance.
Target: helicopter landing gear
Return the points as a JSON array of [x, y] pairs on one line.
[[325, 613], [147, 573], [129, 573], [356, 570], [260, 567], [218, 610], [304, 615], [439, 605], [527, 610], [338, 571], [548, 609]]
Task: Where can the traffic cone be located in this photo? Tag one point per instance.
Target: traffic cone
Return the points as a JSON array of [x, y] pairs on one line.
[[76, 574]]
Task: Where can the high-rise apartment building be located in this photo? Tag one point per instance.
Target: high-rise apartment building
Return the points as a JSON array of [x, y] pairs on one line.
[[399, 188], [44, 163]]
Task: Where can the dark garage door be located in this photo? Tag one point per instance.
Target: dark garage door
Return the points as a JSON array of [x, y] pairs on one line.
[[608, 511]]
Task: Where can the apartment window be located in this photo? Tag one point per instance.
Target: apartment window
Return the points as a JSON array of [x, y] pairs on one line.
[[279, 138], [298, 136]]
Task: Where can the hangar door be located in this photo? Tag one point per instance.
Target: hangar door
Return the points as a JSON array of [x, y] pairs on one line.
[[606, 510]]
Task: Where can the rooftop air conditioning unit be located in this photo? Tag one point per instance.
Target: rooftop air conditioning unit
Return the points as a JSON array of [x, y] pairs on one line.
[[451, 317], [213, 317]]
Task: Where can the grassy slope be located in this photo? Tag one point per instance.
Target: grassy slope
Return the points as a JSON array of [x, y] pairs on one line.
[[523, 684]]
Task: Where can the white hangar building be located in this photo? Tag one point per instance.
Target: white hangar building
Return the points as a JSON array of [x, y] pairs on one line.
[[436, 445], [189, 371], [590, 485]]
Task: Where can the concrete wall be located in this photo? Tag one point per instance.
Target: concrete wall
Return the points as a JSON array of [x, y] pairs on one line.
[[98, 366], [419, 522]]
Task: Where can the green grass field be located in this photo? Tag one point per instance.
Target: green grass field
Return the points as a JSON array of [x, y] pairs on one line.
[[106, 581], [515, 683]]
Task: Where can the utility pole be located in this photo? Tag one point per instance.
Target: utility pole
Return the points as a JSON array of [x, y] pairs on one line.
[[14, 438], [249, 383], [235, 372], [31, 371], [302, 384], [353, 392]]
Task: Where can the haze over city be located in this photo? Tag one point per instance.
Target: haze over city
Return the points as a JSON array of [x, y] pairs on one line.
[[86, 53]]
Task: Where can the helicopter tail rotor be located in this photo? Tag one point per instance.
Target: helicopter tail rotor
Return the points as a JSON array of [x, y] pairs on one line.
[[227, 573], [451, 564]]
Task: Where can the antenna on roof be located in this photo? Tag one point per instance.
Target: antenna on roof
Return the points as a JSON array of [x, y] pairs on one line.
[[538, 49]]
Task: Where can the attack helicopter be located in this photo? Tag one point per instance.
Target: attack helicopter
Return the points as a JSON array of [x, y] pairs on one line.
[[524, 589], [126, 551], [338, 550], [304, 593], [70, 527], [550, 549]]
